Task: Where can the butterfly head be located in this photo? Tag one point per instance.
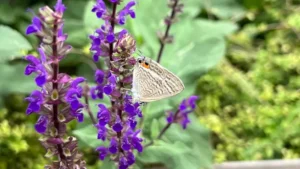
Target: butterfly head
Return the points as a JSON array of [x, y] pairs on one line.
[[144, 62]]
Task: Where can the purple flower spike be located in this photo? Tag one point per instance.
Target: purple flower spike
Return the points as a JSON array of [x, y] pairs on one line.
[[35, 27], [36, 100], [60, 7], [102, 152], [41, 124]]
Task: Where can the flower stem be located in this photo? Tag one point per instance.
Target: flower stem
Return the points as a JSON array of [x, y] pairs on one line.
[[166, 35], [163, 131], [112, 23], [55, 66]]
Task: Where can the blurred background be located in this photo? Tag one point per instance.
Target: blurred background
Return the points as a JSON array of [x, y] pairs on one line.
[[249, 87]]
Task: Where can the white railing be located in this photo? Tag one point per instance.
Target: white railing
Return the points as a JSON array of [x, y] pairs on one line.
[[266, 164]]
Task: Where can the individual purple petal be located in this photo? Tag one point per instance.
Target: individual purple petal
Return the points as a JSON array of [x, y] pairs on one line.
[[182, 105], [123, 163], [40, 80], [41, 124], [107, 89], [99, 76], [126, 11], [170, 117], [117, 127], [36, 100], [122, 33], [125, 144], [136, 141], [101, 133], [102, 152], [103, 115], [77, 81], [80, 117], [36, 26], [60, 7], [132, 122], [99, 8], [113, 148], [43, 55], [130, 158], [110, 38], [112, 79], [192, 101], [130, 109], [185, 121]]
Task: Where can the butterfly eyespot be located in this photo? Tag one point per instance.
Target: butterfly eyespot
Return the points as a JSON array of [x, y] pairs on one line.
[[140, 61], [146, 65]]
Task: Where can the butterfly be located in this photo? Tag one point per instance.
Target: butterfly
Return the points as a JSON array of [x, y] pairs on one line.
[[152, 82]]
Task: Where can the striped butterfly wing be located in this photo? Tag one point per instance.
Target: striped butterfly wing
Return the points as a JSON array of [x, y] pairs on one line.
[[155, 83]]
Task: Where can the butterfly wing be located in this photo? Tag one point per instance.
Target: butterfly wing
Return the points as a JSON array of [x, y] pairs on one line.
[[155, 83]]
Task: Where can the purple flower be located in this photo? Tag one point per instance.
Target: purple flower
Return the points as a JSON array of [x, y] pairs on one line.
[[97, 92], [103, 115], [126, 11], [123, 163], [130, 158], [101, 132], [181, 116], [113, 148], [35, 65], [60, 7], [170, 117], [117, 127], [102, 152], [72, 97], [99, 76], [125, 144], [41, 124], [99, 8], [36, 100], [35, 27]]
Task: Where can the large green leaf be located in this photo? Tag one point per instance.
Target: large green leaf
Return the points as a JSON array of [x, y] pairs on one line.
[[182, 148], [12, 43], [14, 80]]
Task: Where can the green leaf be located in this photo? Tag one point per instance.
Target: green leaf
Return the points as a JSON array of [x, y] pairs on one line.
[[87, 136], [188, 148], [12, 43], [154, 129], [14, 80]]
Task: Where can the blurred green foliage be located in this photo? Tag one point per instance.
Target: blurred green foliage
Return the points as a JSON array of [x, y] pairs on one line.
[[250, 101]]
